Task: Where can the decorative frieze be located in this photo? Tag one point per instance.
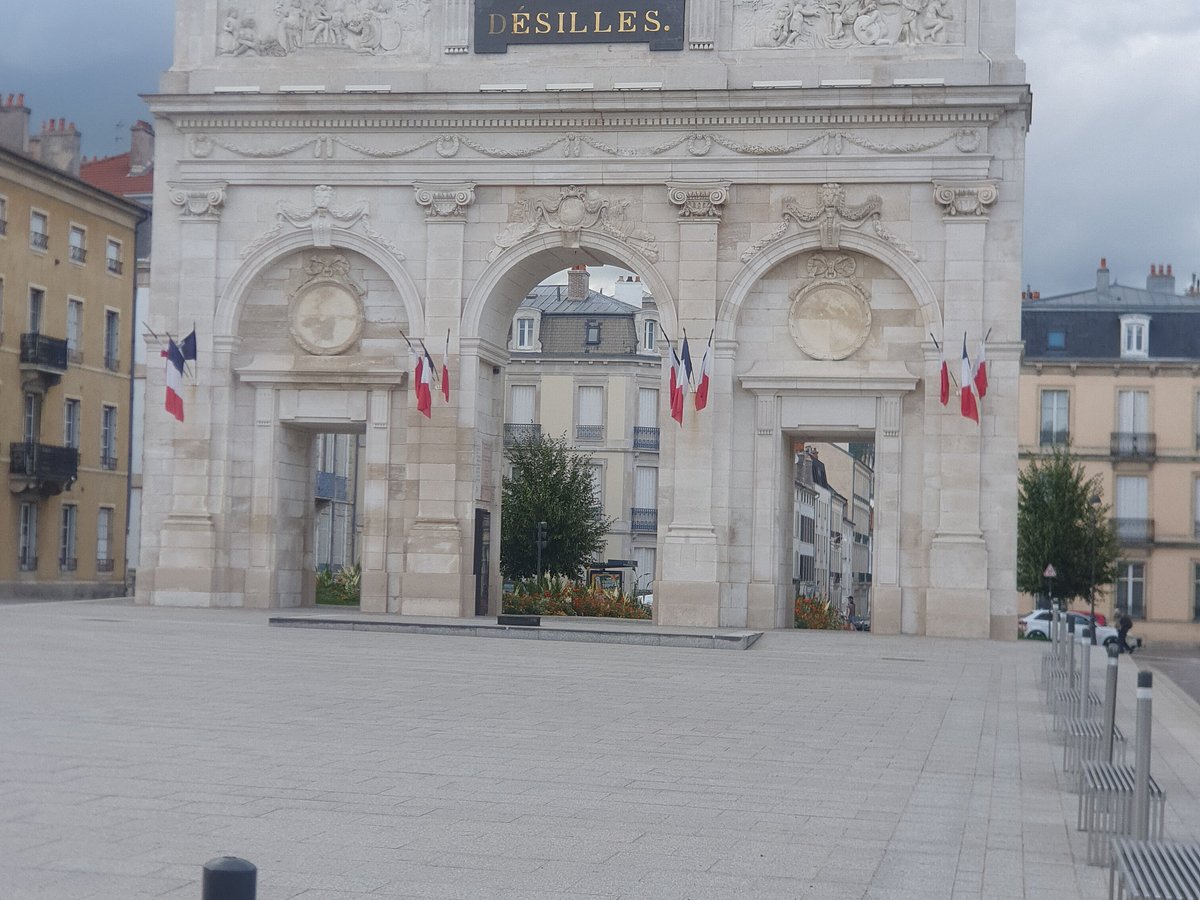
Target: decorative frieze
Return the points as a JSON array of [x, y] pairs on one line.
[[967, 199], [831, 214], [851, 24], [445, 202], [366, 27], [575, 210], [322, 218], [698, 199], [198, 200]]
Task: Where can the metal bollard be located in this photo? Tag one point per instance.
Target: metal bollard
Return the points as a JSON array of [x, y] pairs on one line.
[[1085, 673], [229, 878], [1110, 703], [1055, 632], [1141, 768], [1070, 654]]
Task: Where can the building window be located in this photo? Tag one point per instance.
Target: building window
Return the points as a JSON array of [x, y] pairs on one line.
[[590, 422], [74, 330], [71, 423], [1195, 417], [104, 558], [645, 432], [66, 550], [1056, 407], [1133, 524], [3, 216], [33, 417], [112, 340], [1056, 340], [1196, 508], [27, 538], [592, 332], [644, 515], [39, 230], [108, 438], [1196, 592], [650, 339], [37, 299], [1133, 437], [1131, 589], [1135, 336], [77, 239], [524, 334], [112, 257], [597, 473]]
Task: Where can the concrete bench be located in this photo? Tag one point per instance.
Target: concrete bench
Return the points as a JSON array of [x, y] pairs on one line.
[[1150, 870], [1106, 807]]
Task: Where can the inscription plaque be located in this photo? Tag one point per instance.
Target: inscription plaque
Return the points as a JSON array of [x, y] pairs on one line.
[[499, 23]]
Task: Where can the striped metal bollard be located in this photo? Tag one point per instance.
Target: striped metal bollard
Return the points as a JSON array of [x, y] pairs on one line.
[[1141, 767], [1085, 673], [229, 878], [1110, 703], [1070, 654]]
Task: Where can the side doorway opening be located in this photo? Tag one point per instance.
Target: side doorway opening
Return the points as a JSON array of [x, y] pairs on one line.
[[337, 487]]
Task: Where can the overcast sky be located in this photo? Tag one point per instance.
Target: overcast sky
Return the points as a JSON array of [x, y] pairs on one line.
[[1113, 163]]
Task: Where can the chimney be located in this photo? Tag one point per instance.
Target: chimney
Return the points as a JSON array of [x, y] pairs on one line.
[[141, 148], [1161, 280], [1102, 281], [59, 146], [629, 290], [577, 283], [14, 124]]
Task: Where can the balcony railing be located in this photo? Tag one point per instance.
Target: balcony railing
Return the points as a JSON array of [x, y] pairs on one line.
[[39, 241], [67, 564], [1133, 444], [108, 462], [3, 226], [1134, 531], [27, 562], [43, 352], [521, 434], [45, 468], [112, 362], [114, 265], [591, 433], [643, 520], [1051, 437], [78, 254], [104, 565], [645, 438]]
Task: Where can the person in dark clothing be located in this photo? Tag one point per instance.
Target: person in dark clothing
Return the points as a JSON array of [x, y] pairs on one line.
[[1124, 624]]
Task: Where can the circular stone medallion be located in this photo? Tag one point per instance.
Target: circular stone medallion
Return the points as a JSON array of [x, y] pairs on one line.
[[326, 318], [829, 319]]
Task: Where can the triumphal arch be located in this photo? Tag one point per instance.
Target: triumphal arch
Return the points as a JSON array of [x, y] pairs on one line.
[[834, 188]]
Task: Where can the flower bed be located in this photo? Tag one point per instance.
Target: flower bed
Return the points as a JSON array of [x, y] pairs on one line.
[[557, 596]]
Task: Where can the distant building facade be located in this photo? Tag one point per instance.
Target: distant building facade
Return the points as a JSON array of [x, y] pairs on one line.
[[1115, 371], [66, 319], [589, 366]]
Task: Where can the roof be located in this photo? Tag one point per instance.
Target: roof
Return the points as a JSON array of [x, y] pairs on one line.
[[112, 174], [551, 300]]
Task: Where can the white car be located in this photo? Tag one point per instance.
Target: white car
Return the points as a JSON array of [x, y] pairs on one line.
[[1036, 626]]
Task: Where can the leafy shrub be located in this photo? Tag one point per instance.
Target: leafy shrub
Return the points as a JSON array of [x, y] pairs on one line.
[[340, 588], [554, 595], [817, 612]]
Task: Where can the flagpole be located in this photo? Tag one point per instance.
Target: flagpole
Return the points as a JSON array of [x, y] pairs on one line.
[[939, 350]]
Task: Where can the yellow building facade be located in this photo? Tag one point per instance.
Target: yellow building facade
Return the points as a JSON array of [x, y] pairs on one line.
[[1116, 371], [66, 282]]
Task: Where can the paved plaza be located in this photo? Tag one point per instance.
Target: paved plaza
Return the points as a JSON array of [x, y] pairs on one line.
[[137, 743]]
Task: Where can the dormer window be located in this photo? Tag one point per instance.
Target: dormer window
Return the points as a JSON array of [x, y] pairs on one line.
[[651, 334], [1056, 340], [592, 332], [524, 334], [1135, 337]]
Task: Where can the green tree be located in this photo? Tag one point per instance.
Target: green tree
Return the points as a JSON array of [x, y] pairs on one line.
[[1057, 524], [550, 483]]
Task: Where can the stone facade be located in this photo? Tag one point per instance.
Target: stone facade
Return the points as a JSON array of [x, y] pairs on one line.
[[865, 182]]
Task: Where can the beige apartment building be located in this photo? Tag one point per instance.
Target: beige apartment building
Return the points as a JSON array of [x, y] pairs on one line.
[[66, 300], [1115, 370], [589, 366]]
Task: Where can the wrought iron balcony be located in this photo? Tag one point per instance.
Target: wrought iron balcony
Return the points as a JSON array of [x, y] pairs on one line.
[[643, 520], [3, 226], [114, 266], [645, 438], [1134, 531], [521, 434], [1054, 436], [67, 564], [41, 468], [112, 362], [43, 353], [590, 433], [39, 241], [104, 565], [78, 254], [27, 562], [1133, 444], [108, 462]]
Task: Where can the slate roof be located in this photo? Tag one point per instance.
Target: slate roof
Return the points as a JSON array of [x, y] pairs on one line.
[[1090, 322], [563, 330]]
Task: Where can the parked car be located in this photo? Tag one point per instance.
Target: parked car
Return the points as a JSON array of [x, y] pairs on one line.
[[1036, 626]]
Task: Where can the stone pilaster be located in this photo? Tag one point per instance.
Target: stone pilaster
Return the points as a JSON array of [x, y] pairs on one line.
[[689, 572], [761, 600], [886, 597], [377, 459]]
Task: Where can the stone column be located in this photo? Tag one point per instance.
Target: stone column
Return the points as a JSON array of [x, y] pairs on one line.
[[688, 588], [377, 459], [438, 546], [188, 572], [890, 527], [457, 25], [761, 599], [260, 574], [957, 602]]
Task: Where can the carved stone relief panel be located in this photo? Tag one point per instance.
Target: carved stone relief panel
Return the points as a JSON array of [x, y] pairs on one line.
[[287, 27], [574, 210], [326, 312], [830, 315], [847, 24]]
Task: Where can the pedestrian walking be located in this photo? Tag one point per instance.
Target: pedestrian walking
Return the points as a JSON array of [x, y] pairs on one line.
[[1124, 625]]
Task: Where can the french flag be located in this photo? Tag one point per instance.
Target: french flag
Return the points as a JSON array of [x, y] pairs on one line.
[[421, 381], [678, 386], [174, 372], [446, 368], [966, 393], [944, 396], [980, 378], [705, 376]]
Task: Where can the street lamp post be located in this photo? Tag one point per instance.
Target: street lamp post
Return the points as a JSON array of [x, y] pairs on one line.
[[1049, 574], [1093, 507]]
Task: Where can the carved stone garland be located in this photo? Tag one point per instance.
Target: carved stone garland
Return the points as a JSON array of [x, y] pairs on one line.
[[322, 217], [576, 209]]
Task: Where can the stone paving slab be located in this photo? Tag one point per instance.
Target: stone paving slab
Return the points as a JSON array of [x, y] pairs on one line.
[[137, 743]]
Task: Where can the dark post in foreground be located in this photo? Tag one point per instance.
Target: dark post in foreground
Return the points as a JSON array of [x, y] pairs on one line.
[[229, 878]]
